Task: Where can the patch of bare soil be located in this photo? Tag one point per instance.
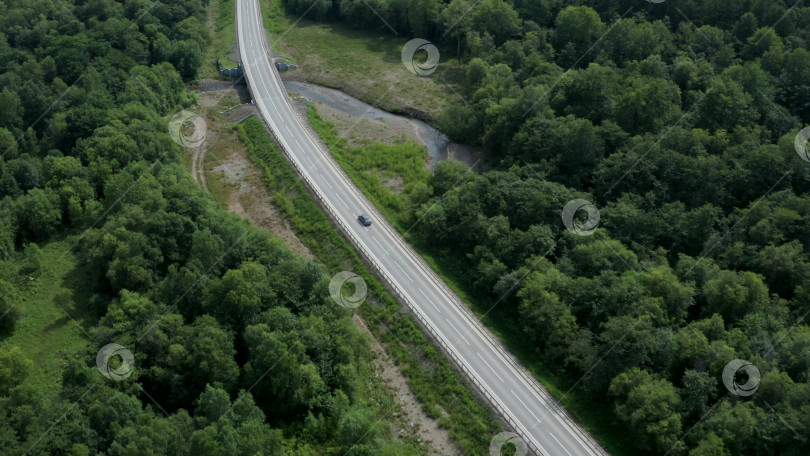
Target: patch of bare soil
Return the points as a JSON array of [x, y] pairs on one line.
[[251, 199], [396, 183], [424, 427], [224, 158], [248, 197]]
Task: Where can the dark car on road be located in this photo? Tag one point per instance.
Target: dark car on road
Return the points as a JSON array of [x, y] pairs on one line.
[[364, 220]]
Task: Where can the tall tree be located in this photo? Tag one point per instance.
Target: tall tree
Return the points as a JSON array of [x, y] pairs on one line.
[[650, 407]]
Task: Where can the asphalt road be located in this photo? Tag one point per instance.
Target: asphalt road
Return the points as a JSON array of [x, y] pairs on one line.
[[508, 387]]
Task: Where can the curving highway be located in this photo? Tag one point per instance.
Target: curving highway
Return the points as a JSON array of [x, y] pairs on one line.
[[510, 389]]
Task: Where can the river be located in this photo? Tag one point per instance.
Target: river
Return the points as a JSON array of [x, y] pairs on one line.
[[437, 143]]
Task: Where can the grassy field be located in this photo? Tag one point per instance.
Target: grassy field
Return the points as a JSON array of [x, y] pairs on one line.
[[387, 173], [221, 143], [437, 386], [45, 333], [220, 189], [364, 64], [220, 23]]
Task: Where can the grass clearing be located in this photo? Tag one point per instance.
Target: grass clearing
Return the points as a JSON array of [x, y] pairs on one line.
[[223, 40], [220, 189], [45, 333], [365, 64], [220, 180], [375, 166], [437, 386]]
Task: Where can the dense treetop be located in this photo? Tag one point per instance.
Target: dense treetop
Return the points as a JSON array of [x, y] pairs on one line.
[[677, 120]]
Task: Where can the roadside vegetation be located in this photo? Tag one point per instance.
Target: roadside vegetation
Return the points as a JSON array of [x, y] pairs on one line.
[[223, 38], [678, 121], [392, 175], [438, 387]]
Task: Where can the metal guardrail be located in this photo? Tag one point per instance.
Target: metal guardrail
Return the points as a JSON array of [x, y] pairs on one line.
[[428, 271]]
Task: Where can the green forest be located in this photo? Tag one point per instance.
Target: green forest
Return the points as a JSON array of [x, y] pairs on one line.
[[238, 349], [678, 121]]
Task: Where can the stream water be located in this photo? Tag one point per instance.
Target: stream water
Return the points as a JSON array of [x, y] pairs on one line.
[[437, 143]]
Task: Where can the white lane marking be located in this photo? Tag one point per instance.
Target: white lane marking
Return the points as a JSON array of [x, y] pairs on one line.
[[575, 437], [459, 333], [327, 182], [403, 271], [490, 367], [545, 451], [564, 425], [344, 202], [546, 406], [561, 445], [527, 407], [288, 129], [539, 399], [378, 243], [428, 300]]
